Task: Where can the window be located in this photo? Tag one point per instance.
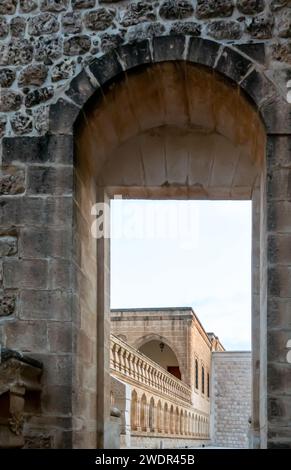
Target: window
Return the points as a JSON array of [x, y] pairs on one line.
[[196, 374], [208, 392], [203, 388]]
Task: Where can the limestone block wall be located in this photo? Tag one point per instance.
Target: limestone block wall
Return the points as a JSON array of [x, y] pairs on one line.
[[231, 399]]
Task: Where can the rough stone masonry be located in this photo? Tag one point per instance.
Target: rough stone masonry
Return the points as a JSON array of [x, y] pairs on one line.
[[45, 43]]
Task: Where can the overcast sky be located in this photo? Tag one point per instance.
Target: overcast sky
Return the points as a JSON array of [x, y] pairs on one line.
[[186, 253]]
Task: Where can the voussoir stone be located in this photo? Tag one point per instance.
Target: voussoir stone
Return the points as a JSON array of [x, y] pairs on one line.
[[176, 9], [7, 77], [221, 29], [136, 13], [214, 8], [250, 7], [111, 41], [99, 20], [44, 23], [33, 75]]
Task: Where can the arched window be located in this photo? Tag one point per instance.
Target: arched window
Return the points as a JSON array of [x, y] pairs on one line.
[[196, 374], [208, 386], [203, 388]]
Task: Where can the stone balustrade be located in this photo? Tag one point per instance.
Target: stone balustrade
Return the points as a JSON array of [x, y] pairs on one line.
[[160, 404], [128, 362]]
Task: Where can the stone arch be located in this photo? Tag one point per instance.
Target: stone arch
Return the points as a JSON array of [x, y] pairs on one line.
[[155, 337], [226, 60], [241, 74]]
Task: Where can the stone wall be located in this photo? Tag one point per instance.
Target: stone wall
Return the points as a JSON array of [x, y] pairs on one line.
[[231, 399], [45, 43]]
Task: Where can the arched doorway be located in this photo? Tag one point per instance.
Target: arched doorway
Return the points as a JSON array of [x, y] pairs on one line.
[[163, 355], [233, 116]]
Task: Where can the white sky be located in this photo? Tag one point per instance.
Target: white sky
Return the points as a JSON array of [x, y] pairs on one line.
[[186, 253]]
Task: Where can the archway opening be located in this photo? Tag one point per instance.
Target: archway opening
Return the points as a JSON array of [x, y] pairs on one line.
[[163, 355], [169, 130]]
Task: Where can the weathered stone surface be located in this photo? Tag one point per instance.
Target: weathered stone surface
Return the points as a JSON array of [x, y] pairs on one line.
[[45, 304], [10, 101], [186, 27], [3, 28], [44, 23], [284, 24], [28, 5], [250, 7], [8, 245], [7, 7], [106, 67], [254, 51], [176, 9], [224, 30], [137, 13], [18, 26], [38, 96], [21, 123], [99, 20], [282, 52], [48, 49], [168, 48], [133, 55], [63, 70], [7, 77], [7, 304], [3, 122], [12, 181], [81, 89], [77, 45], [203, 51], [46, 180], [21, 334], [233, 65], [145, 31], [41, 119], [54, 5], [62, 115], [111, 41], [43, 243], [83, 3], [17, 52], [213, 8], [278, 4], [33, 75], [72, 22], [261, 26], [24, 273]]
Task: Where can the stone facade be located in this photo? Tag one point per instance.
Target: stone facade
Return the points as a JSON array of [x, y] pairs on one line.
[[153, 80], [231, 399]]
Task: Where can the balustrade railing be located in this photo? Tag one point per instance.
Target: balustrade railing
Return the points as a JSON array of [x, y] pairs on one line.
[[136, 367]]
